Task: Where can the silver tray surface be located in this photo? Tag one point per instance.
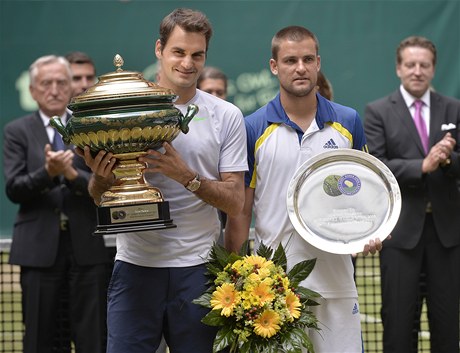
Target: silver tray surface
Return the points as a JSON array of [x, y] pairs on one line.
[[339, 200]]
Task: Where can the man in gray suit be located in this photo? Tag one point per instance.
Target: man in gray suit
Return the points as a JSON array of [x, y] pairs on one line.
[[52, 235], [427, 167]]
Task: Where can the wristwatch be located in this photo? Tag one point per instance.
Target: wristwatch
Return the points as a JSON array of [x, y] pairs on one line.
[[194, 184]]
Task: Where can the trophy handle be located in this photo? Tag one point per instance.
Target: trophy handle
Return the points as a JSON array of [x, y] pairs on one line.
[[56, 122], [185, 120]]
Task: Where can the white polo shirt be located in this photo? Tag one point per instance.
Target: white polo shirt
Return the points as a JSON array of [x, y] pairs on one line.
[[276, 148], [215, 144]]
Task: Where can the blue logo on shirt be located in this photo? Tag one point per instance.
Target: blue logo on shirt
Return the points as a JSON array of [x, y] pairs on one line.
[[355, 309], [331, 144]]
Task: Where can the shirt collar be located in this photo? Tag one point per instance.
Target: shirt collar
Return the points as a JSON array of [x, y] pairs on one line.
[[410, 99], [277, 114]]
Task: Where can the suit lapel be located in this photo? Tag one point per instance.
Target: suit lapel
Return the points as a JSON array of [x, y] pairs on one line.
[[403, 114], [437, 114], [38, 130]]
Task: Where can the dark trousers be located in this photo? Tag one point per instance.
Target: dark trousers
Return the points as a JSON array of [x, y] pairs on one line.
[[42, 289], [145, 302], [400, 271]]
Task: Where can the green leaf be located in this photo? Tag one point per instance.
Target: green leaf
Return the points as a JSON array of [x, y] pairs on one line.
[[310, 302], [301, 271], [246, 348], [203, 300], [213, 318], [219, 253], [224, 337], [308, 319], [264, 251], [214, 268], [244, 250], [295, 339], [279, 257], [271, 347], [307, 296], [233, 257]]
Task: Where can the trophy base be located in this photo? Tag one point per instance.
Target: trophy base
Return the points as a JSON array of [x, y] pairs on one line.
[[133, 218]]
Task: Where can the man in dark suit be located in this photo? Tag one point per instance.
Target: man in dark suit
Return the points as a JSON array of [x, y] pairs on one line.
[[427, 235], [52, 235]]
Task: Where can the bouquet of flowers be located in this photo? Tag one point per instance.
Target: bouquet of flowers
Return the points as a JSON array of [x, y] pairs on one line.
[[257, 305]]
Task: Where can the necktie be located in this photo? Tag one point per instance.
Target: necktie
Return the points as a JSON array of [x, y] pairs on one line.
[[420, 124], [58, 144]]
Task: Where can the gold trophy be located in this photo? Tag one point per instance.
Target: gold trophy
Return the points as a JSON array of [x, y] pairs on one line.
[[127, 115]]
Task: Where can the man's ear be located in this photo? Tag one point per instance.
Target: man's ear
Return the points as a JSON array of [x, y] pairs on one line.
[[273, 67], [158, 49]]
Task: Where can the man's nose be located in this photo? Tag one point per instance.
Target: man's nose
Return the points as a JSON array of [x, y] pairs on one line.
[[301, 66], [85, 83], [417, 69], [187, 62], [54, 88]]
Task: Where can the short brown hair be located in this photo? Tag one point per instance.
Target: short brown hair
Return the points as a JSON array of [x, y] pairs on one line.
[[415, 41], [292, 33], [78, 57], [213, 73], [187, 19]]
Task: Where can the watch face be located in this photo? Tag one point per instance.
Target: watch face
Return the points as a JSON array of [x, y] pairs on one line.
[[194, 185]]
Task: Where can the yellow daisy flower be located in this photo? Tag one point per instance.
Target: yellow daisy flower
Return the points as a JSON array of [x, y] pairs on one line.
[[267, 324], [226, 298], [286, 283], [263, 291], [263, 272], [237, 265], [259, 262], [253, 278], [256, 260], [248, 299], [293, 304]]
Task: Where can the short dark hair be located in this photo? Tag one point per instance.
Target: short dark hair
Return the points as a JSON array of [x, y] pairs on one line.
[[292, 33], [416, 41], [213, 73], [78, 57], [187, 19]]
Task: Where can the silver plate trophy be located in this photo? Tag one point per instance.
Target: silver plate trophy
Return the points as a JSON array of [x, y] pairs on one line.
[[339, 200]]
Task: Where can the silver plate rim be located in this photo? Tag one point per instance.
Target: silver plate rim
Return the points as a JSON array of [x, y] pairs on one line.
[[352, 155]]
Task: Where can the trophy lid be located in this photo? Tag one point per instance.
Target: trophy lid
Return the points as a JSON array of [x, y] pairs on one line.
[[121, 88]]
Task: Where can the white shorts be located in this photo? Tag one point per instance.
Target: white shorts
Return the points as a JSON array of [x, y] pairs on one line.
[[340, 324]]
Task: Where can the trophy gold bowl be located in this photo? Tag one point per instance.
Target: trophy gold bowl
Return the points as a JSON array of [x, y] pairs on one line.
[[127, 115]]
